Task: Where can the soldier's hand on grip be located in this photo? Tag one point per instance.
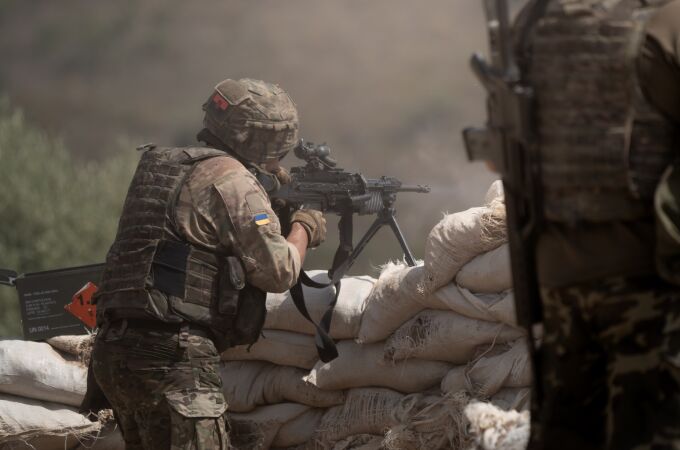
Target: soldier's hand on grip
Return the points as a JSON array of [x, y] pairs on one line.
[[314, 224], [282, 175]]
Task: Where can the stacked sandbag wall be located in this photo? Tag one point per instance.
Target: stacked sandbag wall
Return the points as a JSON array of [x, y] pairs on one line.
[[281, 395], [415, 346], [272, 404]]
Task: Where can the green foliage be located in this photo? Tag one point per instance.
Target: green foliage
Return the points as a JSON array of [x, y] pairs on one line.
[[55, 211]]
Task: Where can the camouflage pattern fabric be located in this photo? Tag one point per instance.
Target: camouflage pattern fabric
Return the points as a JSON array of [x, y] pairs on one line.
[[219, 207], [256, 120], [610, 366], [164, 396]]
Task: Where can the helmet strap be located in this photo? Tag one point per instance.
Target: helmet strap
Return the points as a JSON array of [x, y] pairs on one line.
[[213, 141]]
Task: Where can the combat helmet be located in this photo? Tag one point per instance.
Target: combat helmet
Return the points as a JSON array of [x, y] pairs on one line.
[[254, 119]]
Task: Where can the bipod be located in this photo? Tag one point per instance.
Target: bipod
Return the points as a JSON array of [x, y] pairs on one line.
[[386, 216]]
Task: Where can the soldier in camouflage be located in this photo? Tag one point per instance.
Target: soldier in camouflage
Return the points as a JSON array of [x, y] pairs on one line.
[[197, 248], [609, 364]]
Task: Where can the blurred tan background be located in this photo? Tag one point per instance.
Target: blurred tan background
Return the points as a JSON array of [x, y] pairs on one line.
[[384, 82]]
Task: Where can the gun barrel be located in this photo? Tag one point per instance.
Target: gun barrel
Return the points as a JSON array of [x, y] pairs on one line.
[[420, 188]]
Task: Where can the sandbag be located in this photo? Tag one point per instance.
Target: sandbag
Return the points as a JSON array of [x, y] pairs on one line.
[[495, 193], [283, 348], [432, 422], [455, 381], [487, 374], [394, 299], [363, 365], [35, 370], [494, 429], [509, 369], [366, 411], [458, 238], [283, 315], [445, 336], [512, 398], [258, 429], [79, 345], [487, 273], [490, 307], [359, 442], [28, 424], [299, 430], [248, 384], [109, 438]]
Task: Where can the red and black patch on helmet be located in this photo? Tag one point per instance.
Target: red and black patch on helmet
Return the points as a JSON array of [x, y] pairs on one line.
[[220, 101]]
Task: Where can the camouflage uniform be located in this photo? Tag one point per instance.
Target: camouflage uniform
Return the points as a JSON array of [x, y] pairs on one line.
[[215, 210], [609, 363], [156, 358], [164, 396], [149, 379]]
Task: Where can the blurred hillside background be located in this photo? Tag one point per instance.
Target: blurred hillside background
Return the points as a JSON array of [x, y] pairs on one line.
[[385, 83]]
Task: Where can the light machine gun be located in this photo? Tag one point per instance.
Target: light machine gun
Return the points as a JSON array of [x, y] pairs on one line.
[[508, 142], [321, 185]]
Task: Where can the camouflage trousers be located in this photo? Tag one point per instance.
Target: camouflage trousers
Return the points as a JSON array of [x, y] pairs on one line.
[[609, 366], [165, 389]]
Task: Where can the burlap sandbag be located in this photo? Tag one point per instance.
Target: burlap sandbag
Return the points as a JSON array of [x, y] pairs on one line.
[[456, 381], [366, 411], [495, 193], [360, 442], [283, 315], [284, 348], [394, 299], [487, 273], [36, 370], [248, 384], [445, 336], [258, 429], [492, 428], [459, 237], [79, 346], [487, 374], [509, 369], [490, 307], [513, 398], [27, 424], [299, 430], [109, 438], [363, 365], [433, 422]]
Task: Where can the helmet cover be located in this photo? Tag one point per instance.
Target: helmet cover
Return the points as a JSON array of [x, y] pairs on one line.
[[256, 120]]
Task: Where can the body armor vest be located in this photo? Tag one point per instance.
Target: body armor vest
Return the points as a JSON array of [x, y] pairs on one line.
[[602, 147], [151, 272]]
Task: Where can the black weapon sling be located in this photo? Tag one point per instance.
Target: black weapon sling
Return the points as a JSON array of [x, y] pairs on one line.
[[342, 261], [325, 345]]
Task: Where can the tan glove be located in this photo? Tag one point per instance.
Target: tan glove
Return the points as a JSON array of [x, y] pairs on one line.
[[282, 175], [314, 224]]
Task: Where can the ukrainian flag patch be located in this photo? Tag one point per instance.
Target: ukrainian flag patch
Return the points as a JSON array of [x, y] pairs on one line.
[[262, 219]]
